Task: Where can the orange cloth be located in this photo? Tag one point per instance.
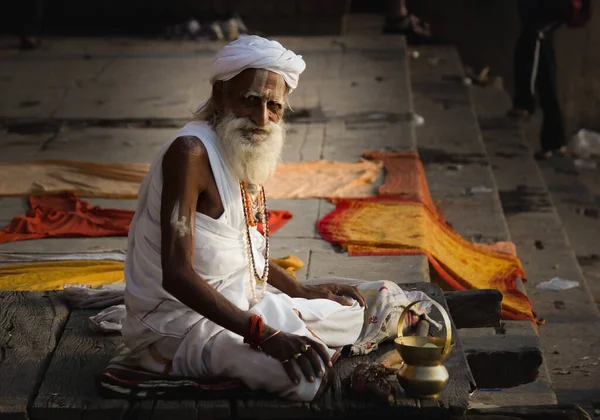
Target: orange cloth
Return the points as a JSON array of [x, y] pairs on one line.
[[400, 226], [323, 179], [404, 177], [65, 215], [310, 179]]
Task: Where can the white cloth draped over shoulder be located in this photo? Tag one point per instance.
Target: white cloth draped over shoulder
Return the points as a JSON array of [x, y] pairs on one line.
[[259, 53]]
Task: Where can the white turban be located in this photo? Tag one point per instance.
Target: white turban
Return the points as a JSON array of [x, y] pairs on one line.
[[254, 52]]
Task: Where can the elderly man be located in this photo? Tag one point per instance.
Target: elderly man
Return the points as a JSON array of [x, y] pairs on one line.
[[197, 268]]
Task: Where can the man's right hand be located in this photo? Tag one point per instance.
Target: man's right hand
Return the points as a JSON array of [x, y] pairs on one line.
[[288, 347]]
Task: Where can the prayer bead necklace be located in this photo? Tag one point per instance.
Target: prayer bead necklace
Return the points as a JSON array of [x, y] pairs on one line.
[[252, 220]]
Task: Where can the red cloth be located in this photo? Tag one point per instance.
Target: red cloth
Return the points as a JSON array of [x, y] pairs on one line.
[[66, 216], [277, 219]]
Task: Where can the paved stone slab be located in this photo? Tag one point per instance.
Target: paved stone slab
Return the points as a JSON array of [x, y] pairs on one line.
[[450, 143], [17, 147], [404, 269], [107, 144], [572, 319], [304, 215]]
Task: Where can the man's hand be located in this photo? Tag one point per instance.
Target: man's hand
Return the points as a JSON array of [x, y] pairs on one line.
[[340, 293], [287, 347]]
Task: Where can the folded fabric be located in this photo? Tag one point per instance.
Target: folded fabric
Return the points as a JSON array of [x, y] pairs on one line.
[[37, 256], [109, 320], [123, 378], [86, 297], [400, 226], [66, 216], [307, 179]]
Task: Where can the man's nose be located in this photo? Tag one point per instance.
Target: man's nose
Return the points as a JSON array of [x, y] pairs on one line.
[[260, 115]]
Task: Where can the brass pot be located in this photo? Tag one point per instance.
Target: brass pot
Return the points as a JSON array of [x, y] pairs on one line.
[[423, 374]]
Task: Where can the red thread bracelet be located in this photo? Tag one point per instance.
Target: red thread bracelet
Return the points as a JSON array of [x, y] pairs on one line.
[[254, 332]]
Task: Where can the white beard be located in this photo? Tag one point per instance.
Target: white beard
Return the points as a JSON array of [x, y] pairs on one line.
[[252, 157]]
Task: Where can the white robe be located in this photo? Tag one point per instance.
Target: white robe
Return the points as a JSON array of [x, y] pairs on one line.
[[197, 346]]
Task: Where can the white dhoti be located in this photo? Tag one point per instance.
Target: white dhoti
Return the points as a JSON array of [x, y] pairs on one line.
[[226, 355]]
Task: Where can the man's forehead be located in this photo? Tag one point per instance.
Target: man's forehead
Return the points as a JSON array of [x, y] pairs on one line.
[[259, 81]]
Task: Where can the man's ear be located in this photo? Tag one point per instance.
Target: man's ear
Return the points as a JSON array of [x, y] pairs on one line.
[[218, 94]]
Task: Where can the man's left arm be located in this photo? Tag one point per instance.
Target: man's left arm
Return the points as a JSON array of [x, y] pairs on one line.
[[340, 293]]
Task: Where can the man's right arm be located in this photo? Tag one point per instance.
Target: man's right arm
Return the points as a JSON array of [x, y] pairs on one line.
[[186, 173]]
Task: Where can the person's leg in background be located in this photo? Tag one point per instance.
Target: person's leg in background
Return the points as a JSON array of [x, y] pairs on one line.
[[399, 21], [31, 21], [552, 135], [525, 62]]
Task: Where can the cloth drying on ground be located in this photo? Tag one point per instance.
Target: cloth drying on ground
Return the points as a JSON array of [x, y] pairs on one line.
[[63, 216], [66, 216], [55, 275], [37, 256], [309, 179], [398, 226], [404, 177], [59, 274], [88, 179], [324, 179]]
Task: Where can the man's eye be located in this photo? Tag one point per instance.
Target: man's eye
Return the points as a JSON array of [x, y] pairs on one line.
[[252, 99], [276, 106]]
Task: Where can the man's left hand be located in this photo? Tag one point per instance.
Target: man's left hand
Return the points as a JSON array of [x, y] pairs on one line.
[[340, 293]]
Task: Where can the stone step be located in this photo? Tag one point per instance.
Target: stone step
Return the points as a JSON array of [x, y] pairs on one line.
[[569, 338], [456, 160], [505, 356]]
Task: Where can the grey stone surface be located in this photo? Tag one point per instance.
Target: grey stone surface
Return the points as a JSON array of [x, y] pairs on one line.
[[453, 154], [405, 269], [569, 337]]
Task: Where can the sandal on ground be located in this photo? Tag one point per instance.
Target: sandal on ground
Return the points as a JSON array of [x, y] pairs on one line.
[[545, 154]]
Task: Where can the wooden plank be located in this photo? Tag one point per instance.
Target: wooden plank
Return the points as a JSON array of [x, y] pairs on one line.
[[30, 325], [337, 401], [475, 308], [271, 409], [69, 387], [503, 357], [544, 412]]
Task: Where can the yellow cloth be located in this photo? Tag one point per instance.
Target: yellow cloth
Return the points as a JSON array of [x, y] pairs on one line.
[[42, 276], [90, 179], [54, 275]]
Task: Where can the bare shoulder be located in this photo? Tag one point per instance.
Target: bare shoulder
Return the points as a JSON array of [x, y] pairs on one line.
[[186, 150], [186, 156]]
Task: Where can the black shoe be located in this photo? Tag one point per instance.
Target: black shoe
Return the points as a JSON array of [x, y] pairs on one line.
[[414, 29]]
